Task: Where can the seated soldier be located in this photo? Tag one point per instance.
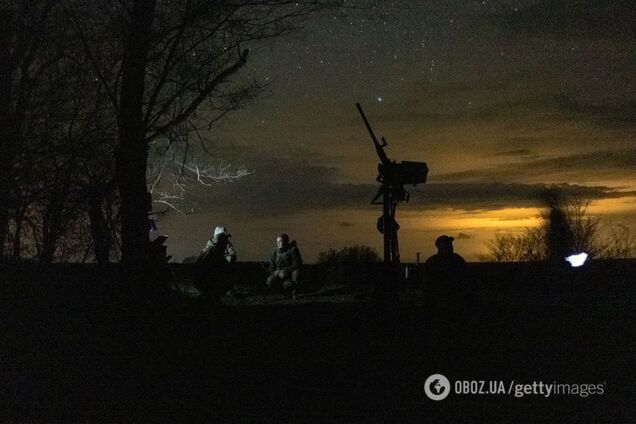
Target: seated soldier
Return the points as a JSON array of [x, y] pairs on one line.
[[284, 266], [213, 267]]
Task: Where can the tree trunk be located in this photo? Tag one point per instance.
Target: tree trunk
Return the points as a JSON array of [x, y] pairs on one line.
[[20, 213], [51, 229], [5, 195], [99, 229], [17, 240], [132, 156], [6, 133]]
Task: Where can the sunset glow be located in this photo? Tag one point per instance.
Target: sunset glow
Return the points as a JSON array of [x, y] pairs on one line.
[[499, 103]]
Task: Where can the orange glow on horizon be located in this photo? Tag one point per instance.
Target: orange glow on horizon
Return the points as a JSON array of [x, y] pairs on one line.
[[458, 220]]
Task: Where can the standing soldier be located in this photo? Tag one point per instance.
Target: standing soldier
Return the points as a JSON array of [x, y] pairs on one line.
[[446, 297]]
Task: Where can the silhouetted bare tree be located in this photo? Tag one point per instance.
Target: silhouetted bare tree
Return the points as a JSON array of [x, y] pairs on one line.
[[161, 62], [507, 247], [83, 103], [25, 61], [621, 243], [173, 170], [58, 134], [577, 231]]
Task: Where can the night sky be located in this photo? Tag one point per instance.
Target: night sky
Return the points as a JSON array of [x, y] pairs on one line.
[[497, 97]]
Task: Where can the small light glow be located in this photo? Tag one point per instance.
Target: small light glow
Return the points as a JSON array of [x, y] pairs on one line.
[[577, 260]]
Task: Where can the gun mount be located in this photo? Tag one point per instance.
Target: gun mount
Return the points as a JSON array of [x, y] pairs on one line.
[[393, 176]]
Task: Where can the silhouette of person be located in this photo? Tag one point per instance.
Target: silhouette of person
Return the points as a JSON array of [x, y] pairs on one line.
[[284, 266], [445, 291], [213, 266], [445, 268]]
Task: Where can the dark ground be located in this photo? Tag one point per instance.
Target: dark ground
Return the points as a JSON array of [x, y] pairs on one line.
[[72, 352]]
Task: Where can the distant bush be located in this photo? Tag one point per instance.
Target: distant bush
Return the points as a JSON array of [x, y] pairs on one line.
[[349, 256], [351, 264]]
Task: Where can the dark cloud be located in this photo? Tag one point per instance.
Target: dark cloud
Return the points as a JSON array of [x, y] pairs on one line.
[[542, 107], [463, 236], [283, 186], [345, 224], [531, 144], [609, 113], [617, 113], [514, 153], [525, 140], [596, 19], [620, 162], [490, 196]]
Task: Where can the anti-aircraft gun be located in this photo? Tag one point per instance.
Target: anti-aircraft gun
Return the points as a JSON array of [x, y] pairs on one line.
[[393, 176]]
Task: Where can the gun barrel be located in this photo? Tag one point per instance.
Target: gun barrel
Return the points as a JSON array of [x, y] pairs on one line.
[[378, 147]]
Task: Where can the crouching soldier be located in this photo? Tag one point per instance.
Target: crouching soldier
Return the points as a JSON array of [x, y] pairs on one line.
[[230, 252], [284, 266], [213, 269]]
